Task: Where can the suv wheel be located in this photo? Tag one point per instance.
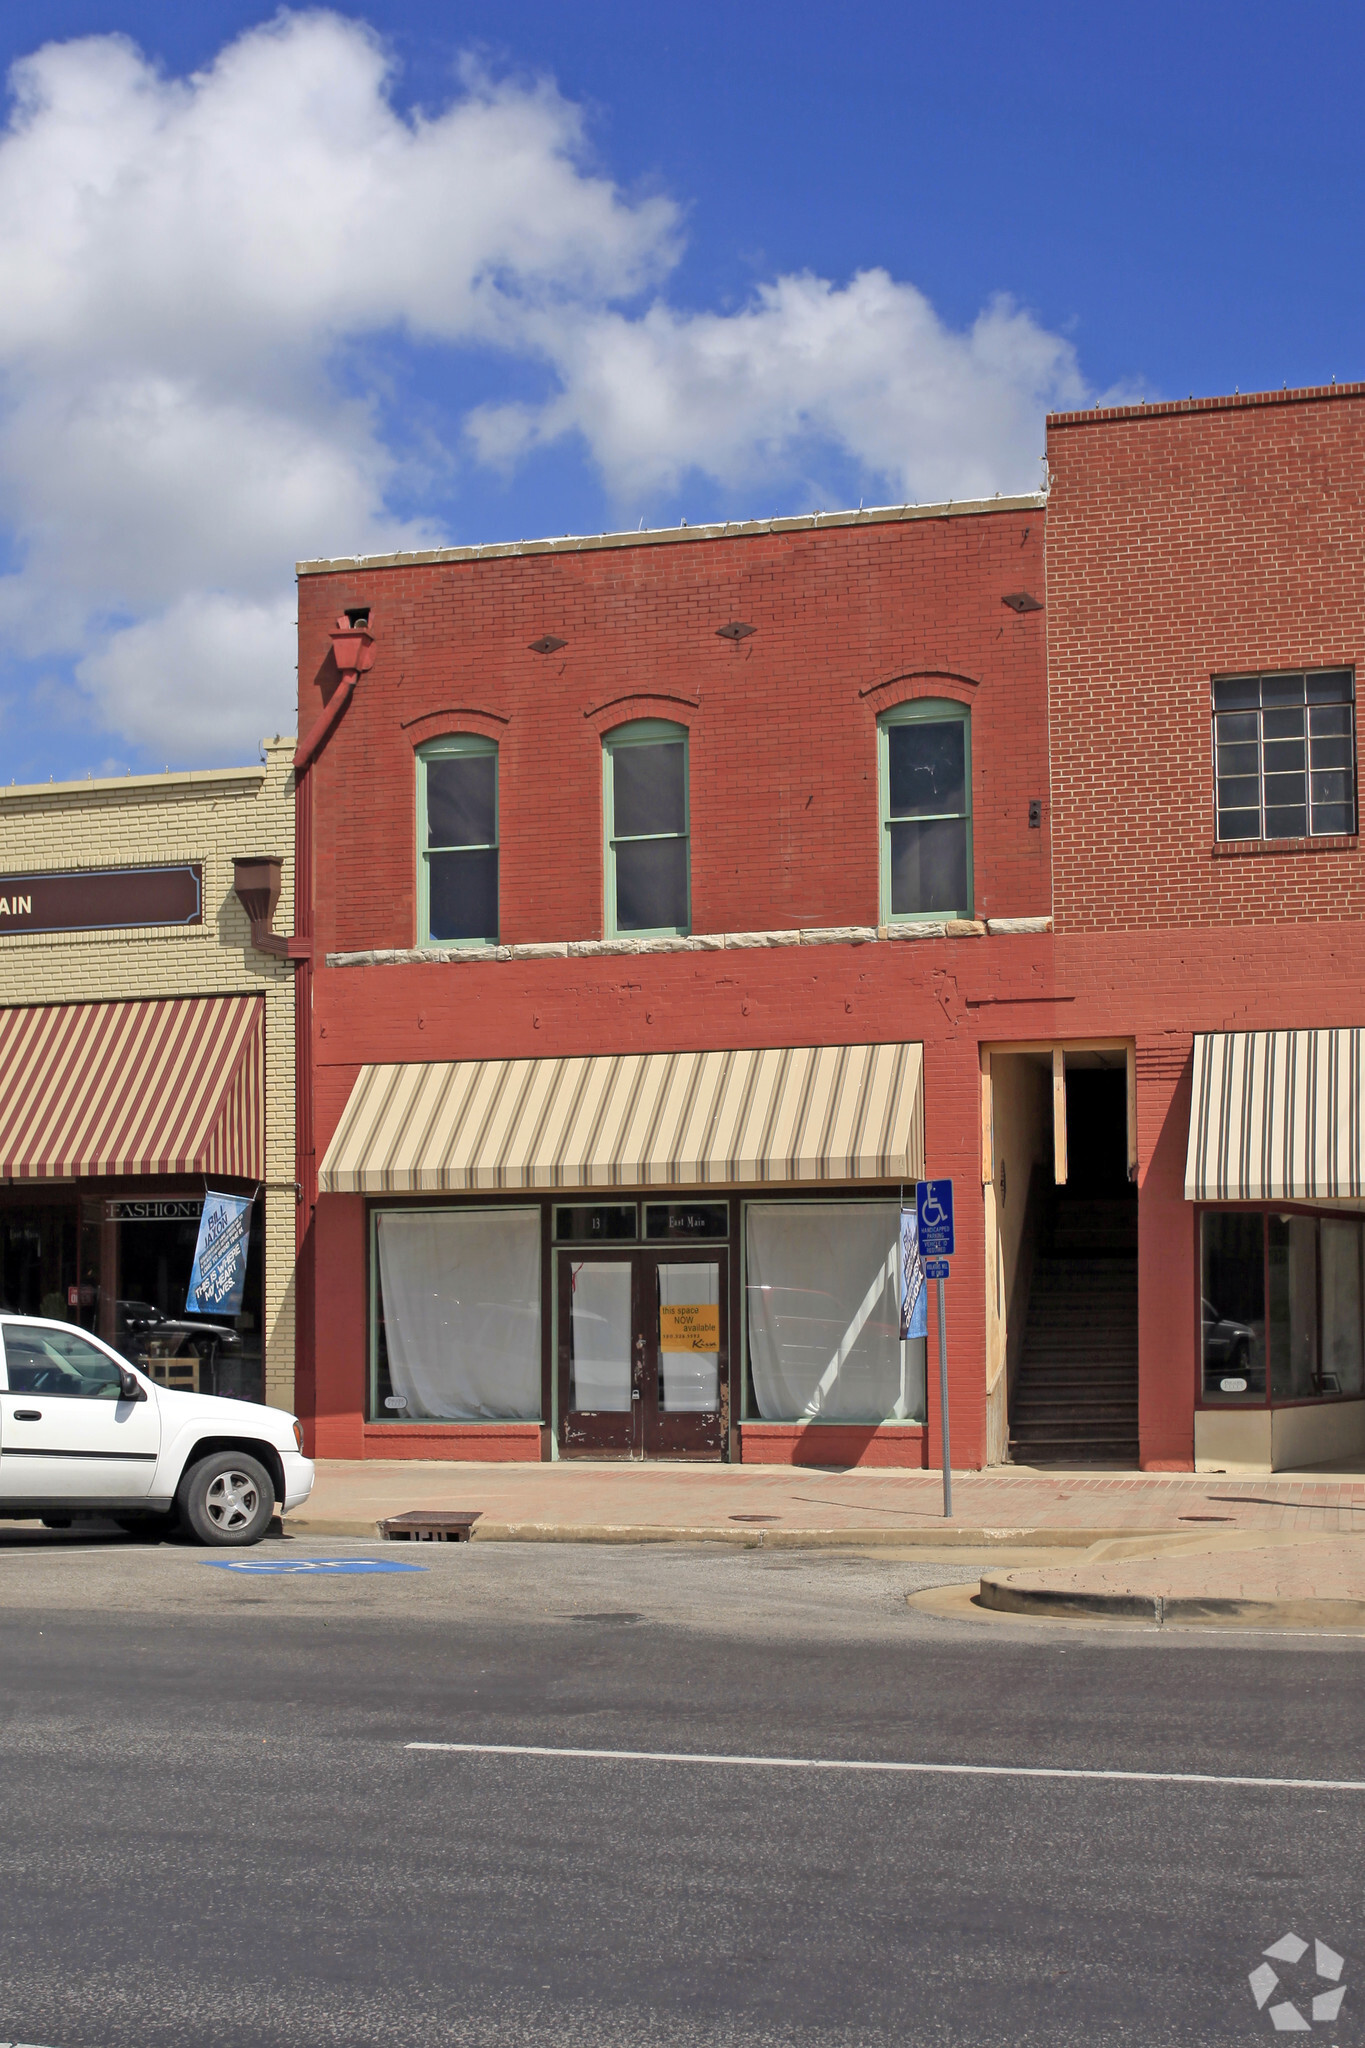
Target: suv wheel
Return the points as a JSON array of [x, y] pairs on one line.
[[228, 1498]]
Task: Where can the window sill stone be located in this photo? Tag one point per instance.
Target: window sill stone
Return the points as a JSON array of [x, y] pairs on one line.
[[1261, 849], [698, 942]]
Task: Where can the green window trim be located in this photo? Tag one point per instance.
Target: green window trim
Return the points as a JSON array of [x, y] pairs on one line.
[[921, 711], [456, 743], [640, 733]]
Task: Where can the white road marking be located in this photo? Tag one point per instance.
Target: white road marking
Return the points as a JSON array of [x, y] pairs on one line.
[[828, 1763]]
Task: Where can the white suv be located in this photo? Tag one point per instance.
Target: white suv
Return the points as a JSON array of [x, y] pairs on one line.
[[82, 1431]]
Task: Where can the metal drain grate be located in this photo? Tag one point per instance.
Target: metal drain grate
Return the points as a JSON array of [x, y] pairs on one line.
[[430, 1525]]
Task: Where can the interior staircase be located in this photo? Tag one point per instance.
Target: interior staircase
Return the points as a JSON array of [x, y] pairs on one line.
[[1075, 1396]]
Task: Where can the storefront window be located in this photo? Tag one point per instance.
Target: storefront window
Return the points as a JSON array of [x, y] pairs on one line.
[[153, 1243], [823, 1308], [119, 1265], [1293, 1247], [1234, 1306], [38, 1260], [1286, 1288], [457, 1315], [1342, 1363]]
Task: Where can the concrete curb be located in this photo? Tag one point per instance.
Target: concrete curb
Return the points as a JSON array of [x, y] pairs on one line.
[[741, 1537], [1005, 1596]]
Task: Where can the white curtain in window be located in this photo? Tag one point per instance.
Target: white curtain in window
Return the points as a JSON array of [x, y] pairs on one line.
[[824, 1314], [600, 1323], [461, 1294]]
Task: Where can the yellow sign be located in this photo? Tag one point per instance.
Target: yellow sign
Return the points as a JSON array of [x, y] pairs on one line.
[[690, 1326]]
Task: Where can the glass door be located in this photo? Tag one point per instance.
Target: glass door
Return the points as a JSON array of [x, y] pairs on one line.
[[686, 1352], [643, 1352], [599, 1390]]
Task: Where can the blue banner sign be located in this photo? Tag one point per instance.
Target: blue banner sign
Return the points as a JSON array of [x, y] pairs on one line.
[[914, 1300], [934, 1201], [218, 1274]]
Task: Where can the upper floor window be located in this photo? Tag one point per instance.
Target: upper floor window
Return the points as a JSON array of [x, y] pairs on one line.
[[1285, 754], [645, 809], [457, 841], [925, 773]]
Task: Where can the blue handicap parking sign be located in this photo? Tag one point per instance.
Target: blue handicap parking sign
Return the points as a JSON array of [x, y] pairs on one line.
[[936, 1269], [934, 1201], [320, 1567]]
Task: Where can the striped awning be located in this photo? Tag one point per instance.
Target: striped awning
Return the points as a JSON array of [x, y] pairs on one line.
[[683, 1119], [133, 1088], [1276, 1116]]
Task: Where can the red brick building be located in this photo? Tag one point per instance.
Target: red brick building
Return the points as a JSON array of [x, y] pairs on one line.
[[672, 901]]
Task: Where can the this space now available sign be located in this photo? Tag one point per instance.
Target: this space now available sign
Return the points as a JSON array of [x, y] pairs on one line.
[[100, 899]]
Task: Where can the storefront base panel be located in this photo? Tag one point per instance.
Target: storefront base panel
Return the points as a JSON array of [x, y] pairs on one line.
[[487, 1443], [833, 1443], [1278, 1439]]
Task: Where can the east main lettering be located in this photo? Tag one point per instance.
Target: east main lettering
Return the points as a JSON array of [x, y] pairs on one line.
[[102, 899]]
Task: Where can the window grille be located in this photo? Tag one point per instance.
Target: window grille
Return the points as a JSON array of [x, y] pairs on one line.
[[1284, 754]]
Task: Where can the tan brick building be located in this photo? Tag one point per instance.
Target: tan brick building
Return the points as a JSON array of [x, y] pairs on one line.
[[149, 1045]]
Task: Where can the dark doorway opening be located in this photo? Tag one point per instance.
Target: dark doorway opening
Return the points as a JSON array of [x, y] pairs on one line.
[[1097, 1132], [1074, 1400]]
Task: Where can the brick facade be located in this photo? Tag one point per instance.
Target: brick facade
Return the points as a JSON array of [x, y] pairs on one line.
[[850, 620], [1183, 542], [209, 816], [1176, 543]]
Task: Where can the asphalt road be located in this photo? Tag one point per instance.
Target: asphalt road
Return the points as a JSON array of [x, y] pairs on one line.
[[212, 1830]]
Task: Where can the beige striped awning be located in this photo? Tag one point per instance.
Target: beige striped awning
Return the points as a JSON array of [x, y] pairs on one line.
[[172, 1086], [683, 1119], [1276, 1116]]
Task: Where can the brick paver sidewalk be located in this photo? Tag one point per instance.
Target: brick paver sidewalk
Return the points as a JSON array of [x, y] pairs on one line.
[[563, 1498]]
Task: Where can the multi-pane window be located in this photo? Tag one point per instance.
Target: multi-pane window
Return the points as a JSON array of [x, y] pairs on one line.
[[457, 841], [925, 773], [1285, 754], [645, 802]]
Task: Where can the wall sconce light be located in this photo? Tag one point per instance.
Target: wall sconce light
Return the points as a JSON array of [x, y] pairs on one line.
[[548, 643], [1022, 601], [736, 630]]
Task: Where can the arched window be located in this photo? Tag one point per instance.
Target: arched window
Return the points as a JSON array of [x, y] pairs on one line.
[[457, 841], [646, 815], [925, 775]]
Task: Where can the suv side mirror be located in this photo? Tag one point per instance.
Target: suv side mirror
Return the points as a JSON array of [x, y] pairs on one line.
[[130, 1387]]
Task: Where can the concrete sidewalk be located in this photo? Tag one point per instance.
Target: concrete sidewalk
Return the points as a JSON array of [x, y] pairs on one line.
[[1290, 1580], [801, 1505]]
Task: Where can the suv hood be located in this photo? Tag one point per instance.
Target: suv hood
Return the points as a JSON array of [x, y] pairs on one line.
[[233, 1417]]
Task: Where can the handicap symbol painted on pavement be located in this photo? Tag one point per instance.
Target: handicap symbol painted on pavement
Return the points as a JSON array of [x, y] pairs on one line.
[[320, 1566]]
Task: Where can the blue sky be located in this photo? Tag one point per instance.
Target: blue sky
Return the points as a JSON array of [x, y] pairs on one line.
[[476, 272]]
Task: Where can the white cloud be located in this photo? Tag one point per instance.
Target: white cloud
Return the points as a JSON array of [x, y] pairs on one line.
[[182, 259], [194, 680], [187, 260], [868, 369]]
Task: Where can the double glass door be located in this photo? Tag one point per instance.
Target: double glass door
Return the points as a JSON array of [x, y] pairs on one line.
[[643, 1352]]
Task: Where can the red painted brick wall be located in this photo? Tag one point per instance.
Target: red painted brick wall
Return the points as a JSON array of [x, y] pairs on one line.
[[1180, 543], [1185, 541], [850, 621]]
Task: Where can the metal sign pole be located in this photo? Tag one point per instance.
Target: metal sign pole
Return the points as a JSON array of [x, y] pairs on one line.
[[934, 1210], [943, 1405]]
